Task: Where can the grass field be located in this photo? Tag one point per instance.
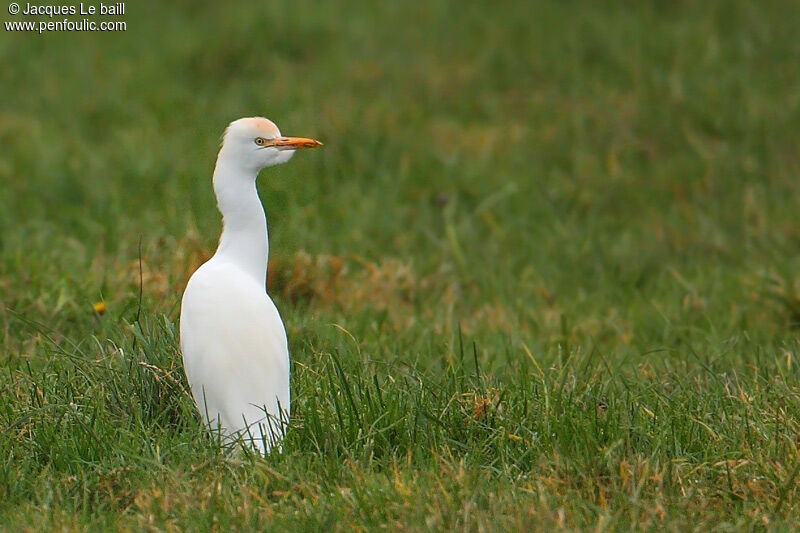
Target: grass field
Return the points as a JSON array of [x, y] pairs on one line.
[[545, 272]]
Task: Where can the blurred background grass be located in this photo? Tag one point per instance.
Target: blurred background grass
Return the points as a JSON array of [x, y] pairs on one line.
[[612, 178]]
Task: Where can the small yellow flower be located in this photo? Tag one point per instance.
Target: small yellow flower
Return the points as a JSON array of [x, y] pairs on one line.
[[99, 307]]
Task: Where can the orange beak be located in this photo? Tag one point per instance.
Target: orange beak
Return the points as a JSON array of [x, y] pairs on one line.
[[294, 143]]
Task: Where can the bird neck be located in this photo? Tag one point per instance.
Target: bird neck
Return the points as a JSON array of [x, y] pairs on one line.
[[244, 224]]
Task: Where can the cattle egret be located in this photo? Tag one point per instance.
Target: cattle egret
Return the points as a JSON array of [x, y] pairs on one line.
[[232, 337]]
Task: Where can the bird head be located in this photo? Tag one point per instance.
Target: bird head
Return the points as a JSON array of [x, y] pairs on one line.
[[256, 143]]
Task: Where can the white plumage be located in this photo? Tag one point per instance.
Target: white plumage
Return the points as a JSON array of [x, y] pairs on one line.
[[232, 337]]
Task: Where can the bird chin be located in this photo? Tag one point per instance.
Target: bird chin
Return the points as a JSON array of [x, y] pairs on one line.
[[283, 156]]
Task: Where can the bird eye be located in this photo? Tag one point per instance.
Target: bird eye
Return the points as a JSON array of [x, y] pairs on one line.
[[260, 141]]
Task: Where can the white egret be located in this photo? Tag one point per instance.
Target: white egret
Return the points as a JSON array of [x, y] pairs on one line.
[[232, 337]]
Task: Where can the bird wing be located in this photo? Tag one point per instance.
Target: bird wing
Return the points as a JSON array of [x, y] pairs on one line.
[[234, 350]]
